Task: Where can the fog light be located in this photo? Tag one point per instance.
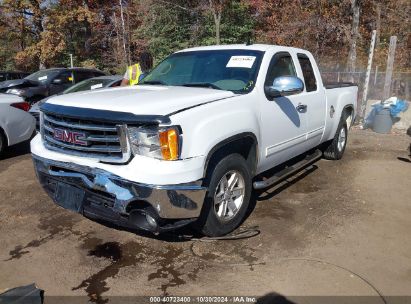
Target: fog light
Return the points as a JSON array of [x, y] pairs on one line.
[[151, 221]]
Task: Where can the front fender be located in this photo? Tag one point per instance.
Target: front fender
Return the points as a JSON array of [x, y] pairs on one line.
[[206, 126]]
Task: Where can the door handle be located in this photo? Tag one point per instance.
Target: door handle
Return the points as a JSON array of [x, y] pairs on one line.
[[301, 107]]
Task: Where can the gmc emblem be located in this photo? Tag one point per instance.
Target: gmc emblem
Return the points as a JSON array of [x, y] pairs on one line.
[[72, 137]]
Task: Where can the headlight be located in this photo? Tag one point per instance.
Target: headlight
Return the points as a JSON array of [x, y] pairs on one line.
[[153, 142], [15, 91]]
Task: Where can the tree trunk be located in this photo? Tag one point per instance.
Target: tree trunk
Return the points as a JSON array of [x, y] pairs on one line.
[[378, 25], [352, 55], [87, 34], [216, 10], [217, 21], [124, 33]]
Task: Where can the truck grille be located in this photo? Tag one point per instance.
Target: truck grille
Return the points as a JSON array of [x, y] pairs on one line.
[[107, 142]]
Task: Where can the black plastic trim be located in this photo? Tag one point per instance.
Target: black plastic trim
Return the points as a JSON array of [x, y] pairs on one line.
[[103, 115], [225, 142], [336, 85]]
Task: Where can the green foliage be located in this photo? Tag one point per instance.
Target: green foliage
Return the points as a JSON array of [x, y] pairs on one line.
[[237, 24], [42, 33], [165, 28]]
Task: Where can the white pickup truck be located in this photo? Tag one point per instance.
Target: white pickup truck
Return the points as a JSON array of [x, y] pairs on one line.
[[191, 141]]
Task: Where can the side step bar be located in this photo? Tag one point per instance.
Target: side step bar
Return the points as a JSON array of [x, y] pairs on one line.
[[287, 172]]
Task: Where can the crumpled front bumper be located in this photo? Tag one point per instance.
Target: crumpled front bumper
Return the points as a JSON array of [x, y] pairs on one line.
[[109, 197]]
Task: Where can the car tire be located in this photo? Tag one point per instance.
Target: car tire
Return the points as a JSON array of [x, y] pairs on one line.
[[3, 142], [228, 196], [334, 149]]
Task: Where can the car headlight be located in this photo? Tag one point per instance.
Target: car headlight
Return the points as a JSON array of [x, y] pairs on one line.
[[15, 91], [158, 143]]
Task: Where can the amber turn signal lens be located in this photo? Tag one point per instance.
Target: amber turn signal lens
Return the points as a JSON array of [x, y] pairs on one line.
[[169, 144]]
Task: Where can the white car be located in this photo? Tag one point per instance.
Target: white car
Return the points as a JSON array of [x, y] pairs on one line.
[[191, 141], [16, 124]]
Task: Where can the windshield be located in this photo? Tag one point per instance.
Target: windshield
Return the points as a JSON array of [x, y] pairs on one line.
[[88, 84], [231, 70], [43, 75]]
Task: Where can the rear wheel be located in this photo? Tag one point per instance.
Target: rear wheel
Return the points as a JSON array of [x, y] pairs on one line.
[[335, 148], [228, 196]]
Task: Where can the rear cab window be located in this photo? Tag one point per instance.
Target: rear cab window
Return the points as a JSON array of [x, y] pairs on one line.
[[308, 73]]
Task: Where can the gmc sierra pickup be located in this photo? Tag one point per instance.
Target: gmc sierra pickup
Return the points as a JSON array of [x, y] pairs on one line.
[[191, 141]]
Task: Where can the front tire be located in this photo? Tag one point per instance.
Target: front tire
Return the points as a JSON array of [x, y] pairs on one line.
[[335, 148], [227, 198], [2, 143]]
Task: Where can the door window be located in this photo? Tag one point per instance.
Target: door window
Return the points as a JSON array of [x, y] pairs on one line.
[[66, 77], [281, 65], [308, 73], [82, 75]]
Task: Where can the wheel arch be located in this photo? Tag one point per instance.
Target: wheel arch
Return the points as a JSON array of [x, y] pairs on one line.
[[4, 135], [245, 144], [349, 112]]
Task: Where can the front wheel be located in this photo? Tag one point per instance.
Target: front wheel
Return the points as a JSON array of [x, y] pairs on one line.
[[2, 143], [228, 196], [335, 148]]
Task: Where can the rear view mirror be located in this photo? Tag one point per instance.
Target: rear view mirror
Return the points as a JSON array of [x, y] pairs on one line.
[[285, 86]]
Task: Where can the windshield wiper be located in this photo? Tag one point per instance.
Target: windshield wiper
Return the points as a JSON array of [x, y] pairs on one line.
[[154, 82], [201, 85]]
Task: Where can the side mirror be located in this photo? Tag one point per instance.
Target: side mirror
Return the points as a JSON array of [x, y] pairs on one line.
[[57, 81], [285, 86]]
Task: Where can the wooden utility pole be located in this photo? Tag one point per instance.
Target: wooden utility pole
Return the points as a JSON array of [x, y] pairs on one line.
[[367, 76], [390, 67], [352, 55]]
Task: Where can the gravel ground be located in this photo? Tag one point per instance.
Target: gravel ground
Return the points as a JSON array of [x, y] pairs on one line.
[[339, 228]]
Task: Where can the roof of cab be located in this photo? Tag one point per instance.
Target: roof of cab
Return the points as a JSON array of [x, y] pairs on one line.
[[255, 47]]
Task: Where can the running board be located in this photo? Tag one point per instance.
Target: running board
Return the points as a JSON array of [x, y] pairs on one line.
[[287, 172]]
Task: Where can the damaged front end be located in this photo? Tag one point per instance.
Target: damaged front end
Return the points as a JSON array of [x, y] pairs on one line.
[[100, 195]]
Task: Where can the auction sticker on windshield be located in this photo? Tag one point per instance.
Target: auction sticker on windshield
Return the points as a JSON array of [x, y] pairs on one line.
[[42, 78], [96, 86], [241, 62]]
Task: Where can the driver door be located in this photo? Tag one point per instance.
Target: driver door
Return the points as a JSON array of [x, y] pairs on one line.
[[283, 125]]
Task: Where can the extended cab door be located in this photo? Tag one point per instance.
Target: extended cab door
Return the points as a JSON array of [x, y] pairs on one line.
[[283, 126], [314, 99]]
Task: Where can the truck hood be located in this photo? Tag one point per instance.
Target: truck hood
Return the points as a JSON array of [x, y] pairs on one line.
[[18, 83], [142, 99]]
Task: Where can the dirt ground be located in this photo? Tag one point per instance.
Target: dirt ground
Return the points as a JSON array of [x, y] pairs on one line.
[[339, 228]]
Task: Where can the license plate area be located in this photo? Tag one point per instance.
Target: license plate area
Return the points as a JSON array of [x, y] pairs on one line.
[[69, 197]]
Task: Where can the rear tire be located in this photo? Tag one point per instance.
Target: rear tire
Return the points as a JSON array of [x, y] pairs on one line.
[[335, 148], [227, 198]]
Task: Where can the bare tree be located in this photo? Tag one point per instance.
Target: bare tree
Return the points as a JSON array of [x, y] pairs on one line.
[[216, 7], [124, 33], [352, 55], [378, 24]]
